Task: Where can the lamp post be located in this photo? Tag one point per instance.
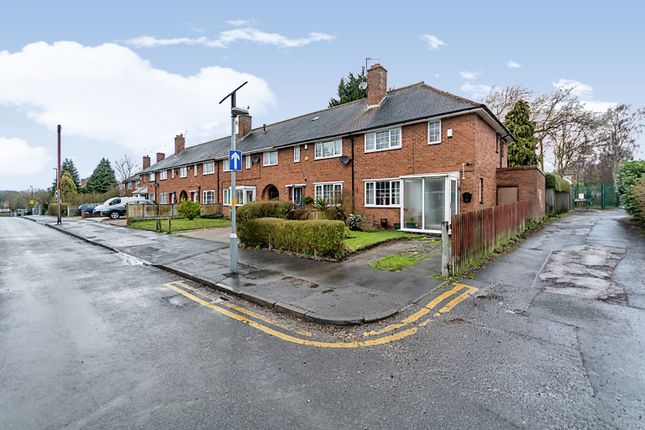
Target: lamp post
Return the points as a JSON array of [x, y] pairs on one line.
[[58, 200], [235, 112]]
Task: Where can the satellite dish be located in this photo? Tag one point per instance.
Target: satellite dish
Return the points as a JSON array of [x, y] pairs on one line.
[[362, 85], [344, 159]]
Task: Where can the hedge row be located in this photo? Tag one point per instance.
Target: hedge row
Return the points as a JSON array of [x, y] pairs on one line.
[[558, 183], [628, 175], [52, 208], [320, 238], [637, 192], [260, 209]]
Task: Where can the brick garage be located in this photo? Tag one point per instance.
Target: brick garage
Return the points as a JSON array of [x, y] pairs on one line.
[[527, 181]]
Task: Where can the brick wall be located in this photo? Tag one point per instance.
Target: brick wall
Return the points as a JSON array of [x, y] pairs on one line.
[[529, 181]]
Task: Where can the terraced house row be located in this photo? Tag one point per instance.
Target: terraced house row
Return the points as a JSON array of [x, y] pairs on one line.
[[409, 157]]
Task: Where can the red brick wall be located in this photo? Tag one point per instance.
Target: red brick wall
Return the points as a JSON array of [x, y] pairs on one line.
[[529, 181]]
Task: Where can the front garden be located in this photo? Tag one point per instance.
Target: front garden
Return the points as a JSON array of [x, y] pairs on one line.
[[181, 224]]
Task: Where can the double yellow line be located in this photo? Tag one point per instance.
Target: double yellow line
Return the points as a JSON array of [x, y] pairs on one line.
[[405, 328]]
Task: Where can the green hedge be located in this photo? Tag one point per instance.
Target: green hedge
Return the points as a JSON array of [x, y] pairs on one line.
[[628, 174], [52, 208], [320, 238], [263, 209], [637, 191], [558, 183]]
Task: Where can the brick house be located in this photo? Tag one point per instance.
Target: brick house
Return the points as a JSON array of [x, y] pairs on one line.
[[408, 157]]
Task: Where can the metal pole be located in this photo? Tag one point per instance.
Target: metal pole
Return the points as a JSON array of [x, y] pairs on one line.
[[233, 198], [58, 200], [445, 250]]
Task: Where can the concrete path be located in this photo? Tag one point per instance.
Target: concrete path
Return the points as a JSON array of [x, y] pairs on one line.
[[318, 291]]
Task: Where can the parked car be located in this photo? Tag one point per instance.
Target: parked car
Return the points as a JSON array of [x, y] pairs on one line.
[[113, 201], [115, 211], [87, 207]]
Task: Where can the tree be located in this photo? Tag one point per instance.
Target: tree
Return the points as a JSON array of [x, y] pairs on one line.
[[67, 186], [350, 89], [102, 179], [617, 135], [501, 100], [125, 167], [573, 141], [69, 167], [518, 121]]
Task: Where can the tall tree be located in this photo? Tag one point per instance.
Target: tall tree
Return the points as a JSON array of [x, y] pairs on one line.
[[67, 186], [518, 121], [350, 89], [69, 167], [102, 179], [125, 167], [617, 137], [573, 141]]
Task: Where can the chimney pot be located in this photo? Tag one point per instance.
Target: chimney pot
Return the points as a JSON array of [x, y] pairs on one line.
[[160, 156], [146, 161], [180, 143], [244, 125], [376, 84]]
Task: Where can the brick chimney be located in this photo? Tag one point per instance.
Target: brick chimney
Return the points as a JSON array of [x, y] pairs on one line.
[[180, 143], [376, 84], [243, 125], [160, 156], [146, 161]]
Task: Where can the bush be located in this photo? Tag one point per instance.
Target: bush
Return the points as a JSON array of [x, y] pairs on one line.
[[299, 214], [628, 174], [321, 204], [354, 221], [637, 191], [558, 183], [270, 209], [307, 200], [368, 223], [189, 209], [321, 238], [52, 208]]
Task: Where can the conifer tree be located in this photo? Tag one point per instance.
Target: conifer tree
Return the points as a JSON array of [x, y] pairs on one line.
[[518, 121]]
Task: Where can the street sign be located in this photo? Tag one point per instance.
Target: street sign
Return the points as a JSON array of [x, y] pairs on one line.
[[235, 160]]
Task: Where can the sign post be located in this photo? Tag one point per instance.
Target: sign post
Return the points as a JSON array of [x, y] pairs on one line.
[[235, 164]]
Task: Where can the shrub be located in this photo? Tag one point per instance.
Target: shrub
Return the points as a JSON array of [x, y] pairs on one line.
[[637, 191], [628, 174], [299, 214], [321, 204], [322, 238], [354, 221], [189, 209], [556, 182], [307, 200], [52, 208], [368, 223], [262, 209]]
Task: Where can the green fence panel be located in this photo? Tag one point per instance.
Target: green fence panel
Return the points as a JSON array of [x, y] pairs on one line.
[[599, 196]]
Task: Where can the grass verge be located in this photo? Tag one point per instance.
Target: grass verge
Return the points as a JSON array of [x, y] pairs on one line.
[[398, 262], [358, 240], [181, 224]]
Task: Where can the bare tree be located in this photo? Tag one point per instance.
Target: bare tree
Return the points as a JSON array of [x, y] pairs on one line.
[[573, 140], [125, 167], [502, 100]]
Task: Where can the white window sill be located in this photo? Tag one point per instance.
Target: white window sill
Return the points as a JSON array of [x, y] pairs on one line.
[[434, 143], [269, 165], [383, 206], [206, 174], [326, 158], [367, 151]]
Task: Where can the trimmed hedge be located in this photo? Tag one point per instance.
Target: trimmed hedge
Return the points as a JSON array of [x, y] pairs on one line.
[[628, 175], [319, 238], [263, 209], [637, 192], [52, 208], [558, 183]]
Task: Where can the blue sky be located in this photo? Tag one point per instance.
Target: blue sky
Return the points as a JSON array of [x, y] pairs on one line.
[[87, 66]]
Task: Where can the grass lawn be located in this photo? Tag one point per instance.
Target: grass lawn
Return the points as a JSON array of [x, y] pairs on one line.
[[357, 240], [397, 262], [182, 224]]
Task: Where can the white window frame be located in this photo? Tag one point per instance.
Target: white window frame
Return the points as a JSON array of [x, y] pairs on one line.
[[374, 204], [163, 175], [172, 173], [321, 186], [211, 164], [390, 146], [322, 151], [195, 168], [183, 171], [268, 163], [435, 142], [163, 198], [210, 193], [151, 176], [241, 191], [226, 166], [248, 161], [296, 154]]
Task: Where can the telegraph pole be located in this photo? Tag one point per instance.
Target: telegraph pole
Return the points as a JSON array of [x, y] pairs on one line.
[[58, 221], [235, 112]]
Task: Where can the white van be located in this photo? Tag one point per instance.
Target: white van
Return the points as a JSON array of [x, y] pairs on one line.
[[111, 202]]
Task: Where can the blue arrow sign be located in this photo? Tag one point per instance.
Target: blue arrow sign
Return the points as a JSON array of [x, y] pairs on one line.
[[235, 160]]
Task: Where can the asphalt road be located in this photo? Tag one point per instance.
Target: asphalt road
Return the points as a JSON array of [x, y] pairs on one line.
[[92, 339]]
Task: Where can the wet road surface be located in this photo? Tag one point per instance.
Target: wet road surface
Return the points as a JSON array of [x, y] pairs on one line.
[[93, 339]]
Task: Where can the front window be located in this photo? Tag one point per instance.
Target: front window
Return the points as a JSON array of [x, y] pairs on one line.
[[208, 168], [183, 172], [434, 132], [226, 166], [333, 148], [151, 177], [331, 192], [244, 195], [163, 198], [209, 197], [163, 175], [383, 193], [270, 158], [248, 161], [195, 170], [296, 154], [382, 140]]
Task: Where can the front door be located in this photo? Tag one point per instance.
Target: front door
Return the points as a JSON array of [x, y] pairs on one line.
[[427, 201], [297, 196]]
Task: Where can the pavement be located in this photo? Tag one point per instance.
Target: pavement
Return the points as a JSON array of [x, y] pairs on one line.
[[92, 339], [319, 291]]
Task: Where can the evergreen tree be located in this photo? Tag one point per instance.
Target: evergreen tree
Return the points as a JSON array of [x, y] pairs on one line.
[[350, 90], [102, 179], [69, 167], [518, 121], [67, 186]]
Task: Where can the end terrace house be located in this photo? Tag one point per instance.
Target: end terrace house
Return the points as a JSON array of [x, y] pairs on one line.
[[408, 157]]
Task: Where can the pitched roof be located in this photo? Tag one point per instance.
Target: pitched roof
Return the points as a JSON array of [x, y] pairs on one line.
[[401, 105]]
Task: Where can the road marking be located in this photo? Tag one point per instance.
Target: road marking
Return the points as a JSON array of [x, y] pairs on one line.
[[238, 313]]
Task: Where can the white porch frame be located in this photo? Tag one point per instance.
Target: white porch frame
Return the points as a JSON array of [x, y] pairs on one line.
[[449, 176]]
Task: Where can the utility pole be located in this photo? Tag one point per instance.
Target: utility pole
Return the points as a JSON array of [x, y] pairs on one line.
[[235, 112], [58, 221]]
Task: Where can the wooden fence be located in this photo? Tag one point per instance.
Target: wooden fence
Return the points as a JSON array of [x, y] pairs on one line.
[[476, 234], [143, 212]]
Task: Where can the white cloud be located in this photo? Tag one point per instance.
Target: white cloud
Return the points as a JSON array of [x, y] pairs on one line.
[[19, 158], [585, 93], [476, 90], [469, 75], [226, 38], [513, 65], [238, 22], [433, 41], [110, 94]]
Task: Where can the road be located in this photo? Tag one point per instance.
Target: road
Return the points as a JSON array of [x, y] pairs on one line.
[[93, 339]]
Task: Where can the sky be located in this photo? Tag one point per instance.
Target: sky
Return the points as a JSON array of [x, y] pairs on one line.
[[123, 78]]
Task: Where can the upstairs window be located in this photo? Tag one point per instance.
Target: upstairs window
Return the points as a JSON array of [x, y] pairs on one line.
[[270, 158], [332, 148], [208, 168], [248, 161], [226, 167], [434, 132], [195, 170], [151, 177], [296, 154], [383, 140], [163, 175], [183, 172]]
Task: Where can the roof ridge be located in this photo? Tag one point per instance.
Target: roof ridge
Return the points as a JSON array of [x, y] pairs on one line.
[[454, 96]]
